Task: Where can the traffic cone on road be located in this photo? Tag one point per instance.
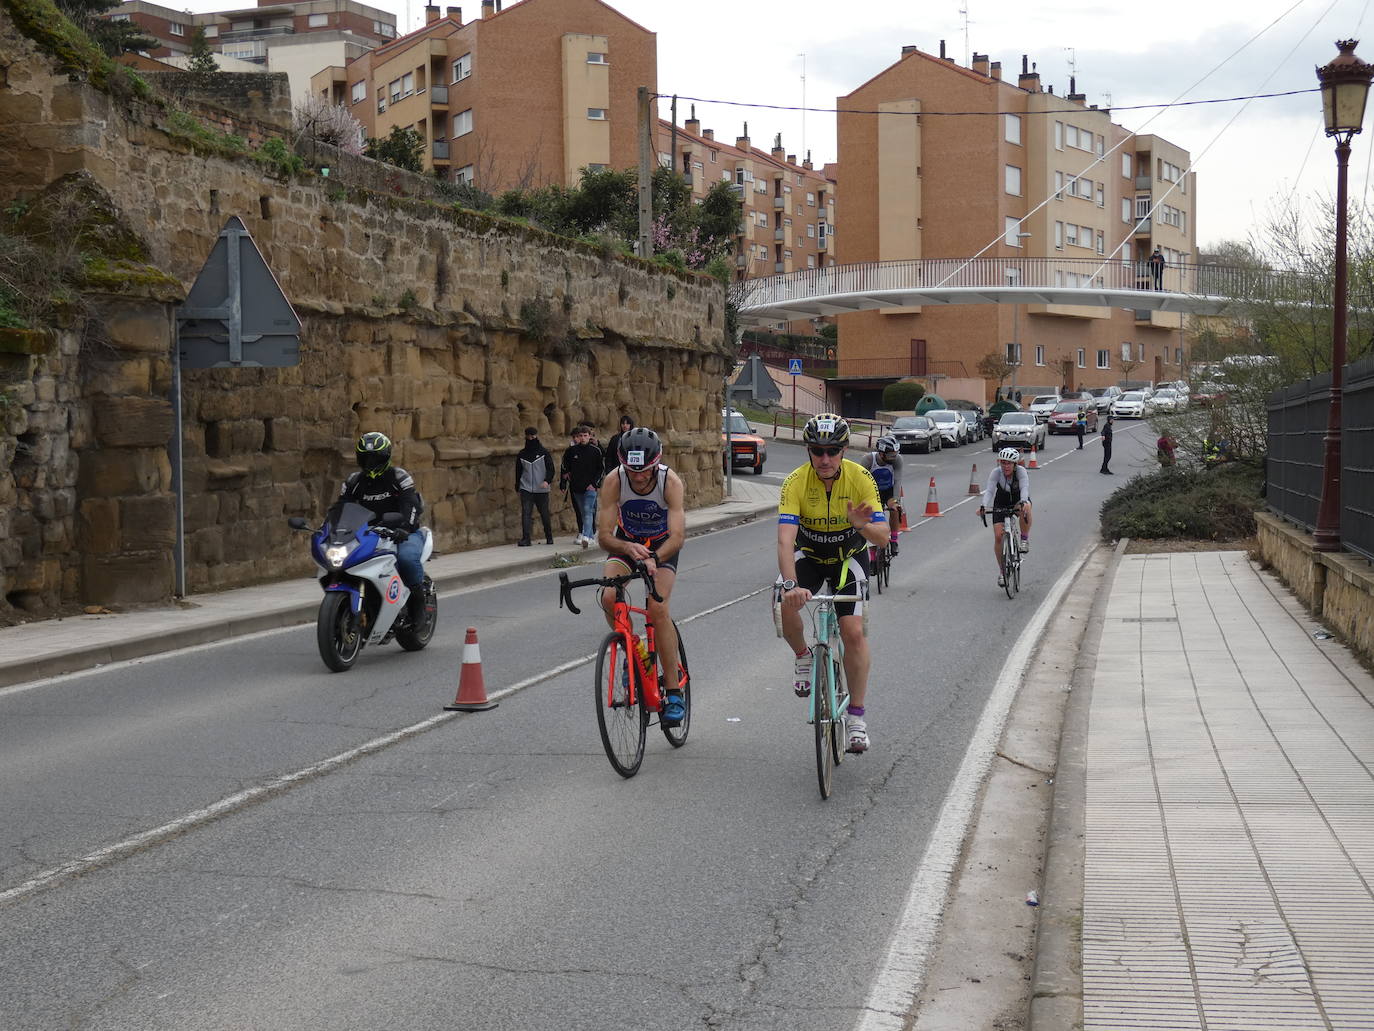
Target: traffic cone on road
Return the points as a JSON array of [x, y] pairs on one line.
[[973, 487], [1032, 464], [472, 692], [932, 502], [901, 513]]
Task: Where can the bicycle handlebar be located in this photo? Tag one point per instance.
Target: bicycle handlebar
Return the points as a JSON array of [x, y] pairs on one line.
[[983, 514], [638, 571]]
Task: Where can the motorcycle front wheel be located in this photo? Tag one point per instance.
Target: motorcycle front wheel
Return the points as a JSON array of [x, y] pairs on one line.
[[337, 632]]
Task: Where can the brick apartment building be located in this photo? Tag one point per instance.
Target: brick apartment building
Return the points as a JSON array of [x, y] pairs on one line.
[[788, 217], [523, 96], [296, 39], [924, 179]]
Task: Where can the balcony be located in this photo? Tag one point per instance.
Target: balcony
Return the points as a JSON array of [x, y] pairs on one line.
[[737, 189], [779, 203], [779, 268], [1142, 182], [779, 235], [441, 150], [741, 260], [820, 243], [243, 35], [1143, 227], [438, 95]]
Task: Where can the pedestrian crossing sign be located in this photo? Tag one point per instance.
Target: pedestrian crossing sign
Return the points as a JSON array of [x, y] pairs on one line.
[[794, 366]]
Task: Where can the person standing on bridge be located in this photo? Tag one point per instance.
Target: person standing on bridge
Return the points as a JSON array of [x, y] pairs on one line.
[[1157, 264]]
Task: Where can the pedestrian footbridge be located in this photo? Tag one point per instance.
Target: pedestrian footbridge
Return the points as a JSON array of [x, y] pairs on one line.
[[1080, 282]]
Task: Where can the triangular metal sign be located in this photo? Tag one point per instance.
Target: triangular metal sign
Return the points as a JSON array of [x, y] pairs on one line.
[[236, 314]]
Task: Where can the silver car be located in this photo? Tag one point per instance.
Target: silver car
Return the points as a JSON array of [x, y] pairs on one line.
[[1043, 406], [1103, 398], [951, 424], [1019, 429], [916, 433], [1167, 399], [1134, 404]]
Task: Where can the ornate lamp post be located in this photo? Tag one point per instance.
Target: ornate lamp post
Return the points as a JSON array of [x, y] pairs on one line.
[[1345, 87]]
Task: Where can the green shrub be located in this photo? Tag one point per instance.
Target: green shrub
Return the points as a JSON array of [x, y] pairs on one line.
[[902, 396], [1191, 502]]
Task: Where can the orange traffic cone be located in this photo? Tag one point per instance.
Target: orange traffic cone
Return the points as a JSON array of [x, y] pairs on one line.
[[973, 487], [1032, 464], [932, 502], [902, 526], [472, 692]]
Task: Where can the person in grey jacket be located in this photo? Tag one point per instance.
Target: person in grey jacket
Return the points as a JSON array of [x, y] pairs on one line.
[[534, 469]]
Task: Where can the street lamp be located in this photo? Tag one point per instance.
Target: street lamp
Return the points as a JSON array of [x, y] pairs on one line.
[[1345, 87]]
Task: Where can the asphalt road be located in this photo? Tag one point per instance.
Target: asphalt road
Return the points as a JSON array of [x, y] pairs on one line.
[[490, 870]]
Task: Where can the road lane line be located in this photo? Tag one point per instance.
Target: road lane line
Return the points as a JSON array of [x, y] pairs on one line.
[[898, 982], [242, 799]]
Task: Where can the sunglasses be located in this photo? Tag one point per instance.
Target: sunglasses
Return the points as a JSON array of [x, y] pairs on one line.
[[828, 452]]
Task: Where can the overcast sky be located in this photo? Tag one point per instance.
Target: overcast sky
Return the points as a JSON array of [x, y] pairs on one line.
[[1122, 54]]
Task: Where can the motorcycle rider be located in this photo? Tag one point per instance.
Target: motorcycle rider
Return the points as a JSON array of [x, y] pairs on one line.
[[382, 487]]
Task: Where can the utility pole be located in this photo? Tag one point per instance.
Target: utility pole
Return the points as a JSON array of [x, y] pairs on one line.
[[646, 185], [803, 103]]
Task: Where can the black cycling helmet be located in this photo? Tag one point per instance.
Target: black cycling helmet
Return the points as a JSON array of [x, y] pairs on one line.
[[826, 428], [374, 453], [640, 449]]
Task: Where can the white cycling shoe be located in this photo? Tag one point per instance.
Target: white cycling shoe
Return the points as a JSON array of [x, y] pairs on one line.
[[857, 732]]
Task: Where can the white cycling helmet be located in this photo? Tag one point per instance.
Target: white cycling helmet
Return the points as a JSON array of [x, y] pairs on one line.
[[886, 443], [1009, 454]]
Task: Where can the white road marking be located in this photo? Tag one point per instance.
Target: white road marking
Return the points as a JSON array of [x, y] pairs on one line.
[[898, 982]]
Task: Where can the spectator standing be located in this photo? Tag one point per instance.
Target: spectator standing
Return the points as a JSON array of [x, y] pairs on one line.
[[1165, 447], [1106, 445], [612, 459], [1157, 264], [533, 472], [1080, 425], [580, 474]]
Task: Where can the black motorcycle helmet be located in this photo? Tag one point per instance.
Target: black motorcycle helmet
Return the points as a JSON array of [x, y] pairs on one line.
[[640, 449], [374, 453]]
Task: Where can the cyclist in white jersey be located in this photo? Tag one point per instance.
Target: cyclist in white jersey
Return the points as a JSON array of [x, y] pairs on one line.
[[885, 463], [1009, 485], [641, 518]]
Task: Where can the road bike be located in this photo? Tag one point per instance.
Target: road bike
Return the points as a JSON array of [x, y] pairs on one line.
[[880, 562], [629, 682], [829, 690], [1011, 551]]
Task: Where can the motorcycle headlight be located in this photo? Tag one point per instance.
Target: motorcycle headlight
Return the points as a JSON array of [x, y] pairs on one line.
[[335, 556]]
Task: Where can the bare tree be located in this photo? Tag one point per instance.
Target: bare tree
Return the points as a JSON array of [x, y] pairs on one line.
[[314, 118]]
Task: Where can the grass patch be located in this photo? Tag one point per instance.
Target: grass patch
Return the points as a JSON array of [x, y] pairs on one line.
[[1186, 502]]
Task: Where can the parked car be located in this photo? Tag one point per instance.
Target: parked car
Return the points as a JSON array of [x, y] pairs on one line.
[[951, 425], [973, 415], [1104, 396], [1209, 394], [1064, 418], [1042, 406], [747, 448], [917, 433], [1167, 399], [1134, 404], [1019, 429]]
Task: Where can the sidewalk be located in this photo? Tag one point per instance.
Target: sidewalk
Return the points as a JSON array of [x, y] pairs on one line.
[[51, 647], [1228, 827]]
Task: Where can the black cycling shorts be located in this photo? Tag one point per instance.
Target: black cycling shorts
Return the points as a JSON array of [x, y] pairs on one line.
[[813, 575], [661, 563]]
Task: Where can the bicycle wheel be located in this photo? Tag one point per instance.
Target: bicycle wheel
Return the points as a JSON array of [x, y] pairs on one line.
[[887, 565], [1008, 561], [677, 736], [824, 723], [877, 568], [622, 720], [838, 739], [1016, 573]]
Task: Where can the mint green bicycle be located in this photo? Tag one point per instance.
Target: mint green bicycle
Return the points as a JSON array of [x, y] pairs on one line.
[[829, 691]]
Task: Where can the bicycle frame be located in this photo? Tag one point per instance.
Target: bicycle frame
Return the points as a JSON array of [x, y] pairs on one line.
[[623, 625]]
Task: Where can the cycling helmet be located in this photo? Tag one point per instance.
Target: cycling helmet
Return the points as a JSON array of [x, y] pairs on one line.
[[374, 453], [886, 444], [1009, 454], [826, 428], [640, 449]]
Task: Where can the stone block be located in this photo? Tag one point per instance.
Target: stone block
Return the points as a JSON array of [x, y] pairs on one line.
[[139, 328], [550, 374], [132, 421], [234, 437], [283, 435], [147, 522], [206, 546], [117, 378], [137, 579], [427, 423], [119, 472]]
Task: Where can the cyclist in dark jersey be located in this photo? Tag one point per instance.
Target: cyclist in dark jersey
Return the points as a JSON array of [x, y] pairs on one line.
[[885, 463]]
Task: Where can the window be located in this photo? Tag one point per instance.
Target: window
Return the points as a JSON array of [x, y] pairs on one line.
[[1059, 236], [1104, 359], [1039, 354], [1011, 128], [1013, 354], [786, 188], [1058, 185], [211, 31], [811, 229], [463, 176], [359, 91], [462, 68], [462, 123], [1101, 146], [1142, 207], [787, 221], [594, 58], [713, 156], [596, 166], [395, 90], [1101, 195], [1178, 356], [384, 29], [1012, 229], [1101, 242], [1071, 234], [1058, 135], [125, 17], [1013, 177], [810, 261], [1140, 352], [696, 165], [1126, 350], [810, 200], [1125, 209], [800, 180], [1082, 358], [176, 28], [1126, 165], [381, 103], [408, 84], [316, 21], [598, 114]]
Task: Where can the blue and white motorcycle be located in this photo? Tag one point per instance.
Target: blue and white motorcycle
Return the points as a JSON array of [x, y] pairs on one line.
[[364, 598]]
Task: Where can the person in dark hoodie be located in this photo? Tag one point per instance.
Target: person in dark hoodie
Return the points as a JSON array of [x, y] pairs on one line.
[[627, 423], [580, 474], [533, 472]]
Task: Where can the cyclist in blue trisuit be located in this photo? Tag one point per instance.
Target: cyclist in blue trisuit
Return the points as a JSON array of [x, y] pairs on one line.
[[885, 463], [1008, 486]]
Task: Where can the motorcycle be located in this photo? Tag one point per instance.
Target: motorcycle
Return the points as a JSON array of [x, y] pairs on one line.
[[364, 598]]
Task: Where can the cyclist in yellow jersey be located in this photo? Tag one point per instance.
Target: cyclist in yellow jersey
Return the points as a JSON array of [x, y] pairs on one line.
[[828, 514]]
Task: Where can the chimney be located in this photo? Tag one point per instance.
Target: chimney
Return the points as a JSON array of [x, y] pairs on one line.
[[907, 51], [708, 134], [693, 124], [742, 142], [980, 63], [777, 150], [996, 70], [1074, 95], [942, 51], [488, 8], [1029, 79], [456, 13], [431, 13], [807, 163]]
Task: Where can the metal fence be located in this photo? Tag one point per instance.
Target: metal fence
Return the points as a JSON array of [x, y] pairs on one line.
[[1297, 425]]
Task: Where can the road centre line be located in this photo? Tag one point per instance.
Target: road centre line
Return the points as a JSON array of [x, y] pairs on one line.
[[898, 982], [278, 785]]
